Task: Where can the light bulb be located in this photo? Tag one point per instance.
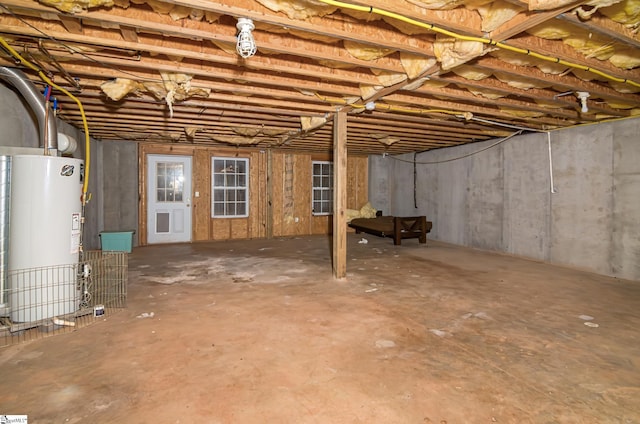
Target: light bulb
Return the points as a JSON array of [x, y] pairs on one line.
[[246, 45]]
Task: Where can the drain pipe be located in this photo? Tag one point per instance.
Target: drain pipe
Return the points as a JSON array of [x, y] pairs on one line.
[[46, 121]]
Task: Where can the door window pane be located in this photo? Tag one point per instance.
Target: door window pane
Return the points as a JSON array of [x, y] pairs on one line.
[[170, 182]]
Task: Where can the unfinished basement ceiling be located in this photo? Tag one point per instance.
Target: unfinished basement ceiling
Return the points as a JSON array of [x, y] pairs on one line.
[[413, 75]]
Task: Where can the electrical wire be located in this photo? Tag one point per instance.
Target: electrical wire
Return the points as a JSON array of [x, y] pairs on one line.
[[489, 41], [85, 124], [459, 157], [70, 48]]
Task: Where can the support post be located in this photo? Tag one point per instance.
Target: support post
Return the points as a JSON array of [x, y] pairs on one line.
[[340, 195], [269, 202]]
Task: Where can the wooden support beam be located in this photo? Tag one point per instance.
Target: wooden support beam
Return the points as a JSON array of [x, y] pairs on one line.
[[269, 213], [526, 20], [340, 195]]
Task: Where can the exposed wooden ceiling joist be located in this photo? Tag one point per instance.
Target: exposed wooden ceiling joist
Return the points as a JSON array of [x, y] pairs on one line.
[[314, 60]]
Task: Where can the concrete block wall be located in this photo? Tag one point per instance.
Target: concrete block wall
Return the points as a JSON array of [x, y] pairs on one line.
[[501, 199]]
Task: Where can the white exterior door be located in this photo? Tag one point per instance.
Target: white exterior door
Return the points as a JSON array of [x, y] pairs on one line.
[[168, 199]]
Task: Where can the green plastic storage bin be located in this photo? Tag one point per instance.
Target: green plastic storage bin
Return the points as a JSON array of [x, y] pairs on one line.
[[120, 241]]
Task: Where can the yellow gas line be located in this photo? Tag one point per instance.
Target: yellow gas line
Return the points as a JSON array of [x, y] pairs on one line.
[[432, 27]]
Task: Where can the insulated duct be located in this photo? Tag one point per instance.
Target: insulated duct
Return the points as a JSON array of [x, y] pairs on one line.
[[35, 99]]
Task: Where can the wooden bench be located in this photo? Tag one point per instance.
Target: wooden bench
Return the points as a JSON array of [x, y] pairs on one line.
[[396, 227]]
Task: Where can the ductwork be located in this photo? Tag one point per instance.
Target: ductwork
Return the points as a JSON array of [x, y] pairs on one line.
[[35, 99]]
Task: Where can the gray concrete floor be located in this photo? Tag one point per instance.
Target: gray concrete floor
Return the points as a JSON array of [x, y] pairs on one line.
[[258, 332]]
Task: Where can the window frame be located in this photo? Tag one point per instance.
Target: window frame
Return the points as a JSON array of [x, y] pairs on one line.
[[321, 188], [227, 189]]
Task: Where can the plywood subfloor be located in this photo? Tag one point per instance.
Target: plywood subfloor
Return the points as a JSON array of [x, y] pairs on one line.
[[258, 332]]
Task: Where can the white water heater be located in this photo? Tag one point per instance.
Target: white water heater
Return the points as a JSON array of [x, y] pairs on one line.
[[45, 231]]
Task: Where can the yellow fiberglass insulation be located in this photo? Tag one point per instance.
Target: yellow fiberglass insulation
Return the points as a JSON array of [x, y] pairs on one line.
[[387, 140], [586, 10], [626, 58], [587, 76], [548, 105], [246, 132], [555, 30], [415, 65], [367, 91], [623, 87], [274, 132], [160, 6], [155, 88], [211, 17], [489, 94], [174, 87], [522, 83], [388, 79], [235, 139], [368, 211], [225, 47], [364, 51], [497, 13], [594, 5], [522, 113], [180, 12], [467, 72], [76, 6], [626, 12], [191, 131], [548, 4], [435, 83], [118, 88], [309, 123], [300, 9], [522, 60], [438, 4], [451, 52], [414, 85], [590, 45], [620, 105]]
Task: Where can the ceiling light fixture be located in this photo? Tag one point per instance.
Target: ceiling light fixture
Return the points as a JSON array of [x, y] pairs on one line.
[[246, 45], [583, 96]]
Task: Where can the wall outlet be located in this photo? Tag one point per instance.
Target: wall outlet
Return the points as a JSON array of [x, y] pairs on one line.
[[296, 219]]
